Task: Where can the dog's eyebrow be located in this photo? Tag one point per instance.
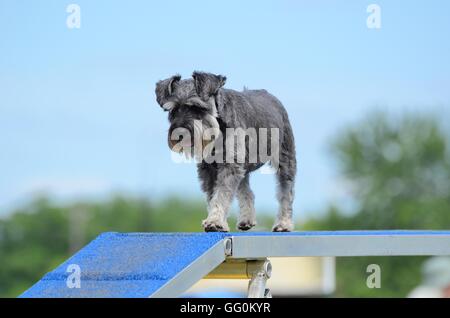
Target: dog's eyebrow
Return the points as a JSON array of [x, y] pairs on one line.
[[192, 94], [168, 106], [197, 101]]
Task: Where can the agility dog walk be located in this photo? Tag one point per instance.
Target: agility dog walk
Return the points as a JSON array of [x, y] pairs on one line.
[[167, 264]]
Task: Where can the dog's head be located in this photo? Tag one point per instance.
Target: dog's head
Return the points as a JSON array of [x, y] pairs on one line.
[[191, 104]]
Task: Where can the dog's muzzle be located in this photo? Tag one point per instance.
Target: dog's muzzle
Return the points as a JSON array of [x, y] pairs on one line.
[[180, 139]]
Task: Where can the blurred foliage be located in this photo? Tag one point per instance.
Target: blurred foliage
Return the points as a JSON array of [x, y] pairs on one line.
[[37, 238], [397, 171]]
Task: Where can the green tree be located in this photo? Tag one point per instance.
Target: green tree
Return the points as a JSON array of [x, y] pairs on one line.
[[38, 237], [399, 172], [41, 235]]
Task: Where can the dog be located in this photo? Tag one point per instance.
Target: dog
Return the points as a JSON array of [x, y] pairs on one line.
[[201, 103]]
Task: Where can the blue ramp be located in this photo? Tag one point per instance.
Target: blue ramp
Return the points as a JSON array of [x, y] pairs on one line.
[[128, 265], [167, 264]]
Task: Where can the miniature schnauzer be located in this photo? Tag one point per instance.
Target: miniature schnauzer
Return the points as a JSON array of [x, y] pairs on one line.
[[201, 103]]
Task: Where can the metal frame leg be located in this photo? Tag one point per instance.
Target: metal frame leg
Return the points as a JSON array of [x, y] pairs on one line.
[[259, 276], [258, 271]]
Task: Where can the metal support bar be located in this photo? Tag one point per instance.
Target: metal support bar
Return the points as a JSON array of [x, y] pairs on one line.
[[341, 244], [257, 284], [237, 269], [258, 271]]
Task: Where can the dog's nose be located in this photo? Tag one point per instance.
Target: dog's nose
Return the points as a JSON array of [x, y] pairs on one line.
[[173, 142], [182, 142]]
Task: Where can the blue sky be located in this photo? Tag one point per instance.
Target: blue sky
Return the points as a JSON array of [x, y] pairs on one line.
[[78, 116]]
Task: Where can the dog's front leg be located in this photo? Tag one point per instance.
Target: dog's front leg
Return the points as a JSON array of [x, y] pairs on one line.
[[207, 174], [228, 178]]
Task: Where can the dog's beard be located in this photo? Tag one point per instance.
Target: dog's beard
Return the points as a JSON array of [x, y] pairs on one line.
[[204, 142]]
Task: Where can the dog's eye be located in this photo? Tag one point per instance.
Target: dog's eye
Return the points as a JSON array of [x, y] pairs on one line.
[[196, 108]]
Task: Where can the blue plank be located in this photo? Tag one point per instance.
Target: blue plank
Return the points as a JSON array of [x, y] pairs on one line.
[[138, 264], [126, 265]]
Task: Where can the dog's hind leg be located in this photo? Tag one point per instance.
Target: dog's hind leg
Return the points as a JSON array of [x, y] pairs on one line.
[[246, 198], [227, 182], [285, 198], [286, 181]]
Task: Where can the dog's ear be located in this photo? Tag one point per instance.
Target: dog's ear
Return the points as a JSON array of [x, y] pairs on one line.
[[207, 84], [165, 88]]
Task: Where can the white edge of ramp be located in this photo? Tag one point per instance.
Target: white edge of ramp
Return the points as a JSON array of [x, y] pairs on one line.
[[191, 274]]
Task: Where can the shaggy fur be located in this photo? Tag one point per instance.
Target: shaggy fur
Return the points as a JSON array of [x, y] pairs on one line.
[[203, 99]]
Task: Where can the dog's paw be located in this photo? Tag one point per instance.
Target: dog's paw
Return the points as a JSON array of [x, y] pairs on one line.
[[215, 226], [245, 225], [283, 227]]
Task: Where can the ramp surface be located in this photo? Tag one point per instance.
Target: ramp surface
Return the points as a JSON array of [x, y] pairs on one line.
[[126, 265], [167, 264]]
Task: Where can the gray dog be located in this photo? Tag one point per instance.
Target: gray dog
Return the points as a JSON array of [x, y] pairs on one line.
[[198, 104]]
